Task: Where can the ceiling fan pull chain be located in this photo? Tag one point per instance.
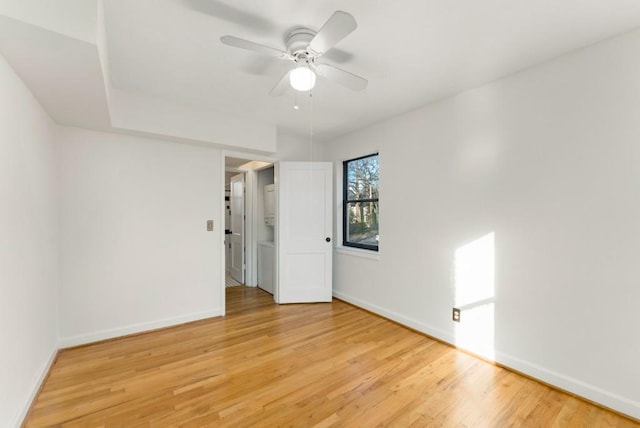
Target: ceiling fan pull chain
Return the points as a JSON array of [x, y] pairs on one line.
[[311, 125]]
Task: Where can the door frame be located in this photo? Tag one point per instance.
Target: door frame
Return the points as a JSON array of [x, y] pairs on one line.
[[251, 219]]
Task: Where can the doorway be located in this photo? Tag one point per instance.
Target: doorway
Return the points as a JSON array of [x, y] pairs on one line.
[[247, 263], [231, 280], [291, 257]]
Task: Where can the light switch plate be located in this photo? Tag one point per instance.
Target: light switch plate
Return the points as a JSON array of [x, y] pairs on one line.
[[209, 225]]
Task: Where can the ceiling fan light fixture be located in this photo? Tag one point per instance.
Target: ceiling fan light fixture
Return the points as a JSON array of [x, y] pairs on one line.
[[302, 78]]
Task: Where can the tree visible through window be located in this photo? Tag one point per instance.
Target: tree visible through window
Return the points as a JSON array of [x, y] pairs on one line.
[[360, 204]]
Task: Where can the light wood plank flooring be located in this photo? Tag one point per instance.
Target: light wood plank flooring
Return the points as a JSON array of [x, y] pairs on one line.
[[295, 365]]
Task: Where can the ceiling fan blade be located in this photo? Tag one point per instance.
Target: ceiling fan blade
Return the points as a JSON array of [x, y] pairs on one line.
[[337, 27], [342, 77], [281, 87], [252, 46]]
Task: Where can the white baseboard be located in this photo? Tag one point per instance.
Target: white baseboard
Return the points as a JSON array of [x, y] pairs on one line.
[[590, 392], [581, 389], [97, 336], [394, 316], [35, 387]]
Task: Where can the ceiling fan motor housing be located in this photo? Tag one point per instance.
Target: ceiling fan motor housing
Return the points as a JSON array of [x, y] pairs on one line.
[[298, 41]]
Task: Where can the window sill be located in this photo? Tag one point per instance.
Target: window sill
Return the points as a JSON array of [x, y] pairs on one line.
[[356, 252]]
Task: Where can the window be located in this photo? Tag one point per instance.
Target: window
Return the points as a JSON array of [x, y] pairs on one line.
[[360, 203]]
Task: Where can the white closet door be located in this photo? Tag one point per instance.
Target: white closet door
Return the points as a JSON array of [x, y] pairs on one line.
[[305, 226]]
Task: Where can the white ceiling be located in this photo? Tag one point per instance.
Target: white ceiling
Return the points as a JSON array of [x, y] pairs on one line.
[[412, 51]]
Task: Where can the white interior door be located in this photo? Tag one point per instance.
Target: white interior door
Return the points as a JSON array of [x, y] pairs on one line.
[[305, 226], [237, 228]]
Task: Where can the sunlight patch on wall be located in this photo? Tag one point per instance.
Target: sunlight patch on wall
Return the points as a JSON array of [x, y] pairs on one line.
[[475, 296]]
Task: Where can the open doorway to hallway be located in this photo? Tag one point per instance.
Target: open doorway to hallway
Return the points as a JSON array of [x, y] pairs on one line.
[[234, 201], [249, 248]]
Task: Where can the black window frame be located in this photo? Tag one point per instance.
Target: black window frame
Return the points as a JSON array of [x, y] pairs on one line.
[[346, 201]]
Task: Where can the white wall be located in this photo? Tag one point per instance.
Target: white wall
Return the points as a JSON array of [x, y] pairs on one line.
[[298, 148], [154, 116], [28, 234], [548, 161], [134, 250], [79, 24]]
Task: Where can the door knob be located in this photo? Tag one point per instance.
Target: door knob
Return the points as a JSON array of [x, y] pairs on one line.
[[328, 239]]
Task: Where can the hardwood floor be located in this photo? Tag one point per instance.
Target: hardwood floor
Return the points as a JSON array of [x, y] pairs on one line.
[[295, 365]]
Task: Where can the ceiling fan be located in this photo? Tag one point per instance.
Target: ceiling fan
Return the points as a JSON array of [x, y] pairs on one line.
[[304, 47]]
